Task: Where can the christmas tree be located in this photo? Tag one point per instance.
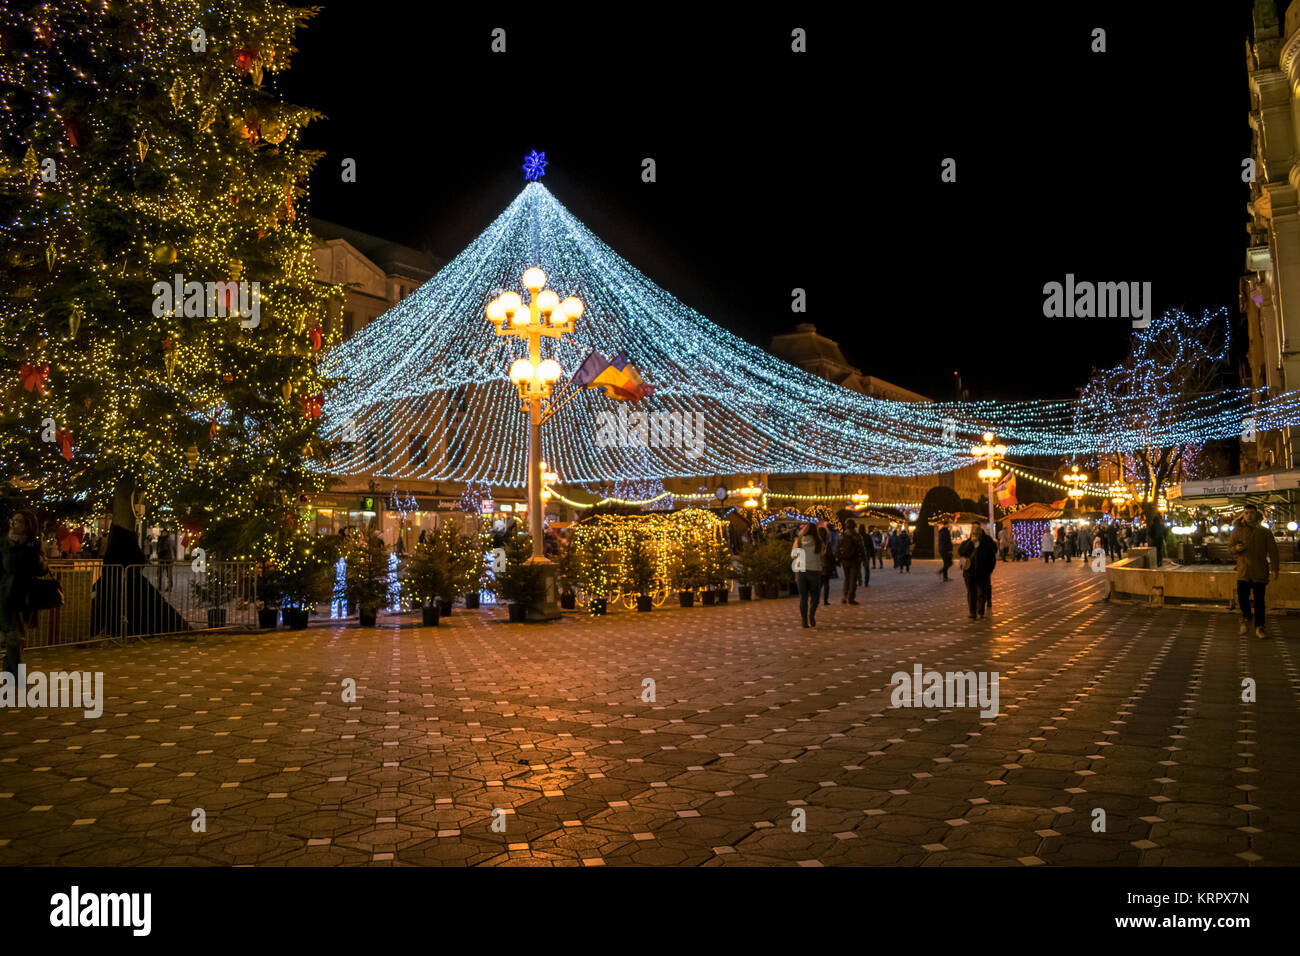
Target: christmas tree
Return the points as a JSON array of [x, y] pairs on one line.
[[160, 318]]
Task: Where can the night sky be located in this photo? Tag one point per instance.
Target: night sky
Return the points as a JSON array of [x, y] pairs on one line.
[[820, 170]]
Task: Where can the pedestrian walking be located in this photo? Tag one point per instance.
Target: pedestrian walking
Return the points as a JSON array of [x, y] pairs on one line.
[[945, 549], [828, 563], [166, 558], [1157, 535], [849, 555], [809, 571], [979, 556], [1256, 551], [901, 546], [1072, 542], [1005, 543], [869, 553], [878, 545], [1048, 544], [21, 564]]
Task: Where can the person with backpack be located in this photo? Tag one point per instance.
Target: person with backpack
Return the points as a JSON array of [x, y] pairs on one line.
[[21, 564], [849, 554]]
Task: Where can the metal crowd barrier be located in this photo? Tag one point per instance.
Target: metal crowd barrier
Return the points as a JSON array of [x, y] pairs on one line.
[[115, 602]]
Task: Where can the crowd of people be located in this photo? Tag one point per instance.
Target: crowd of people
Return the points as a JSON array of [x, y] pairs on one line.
[[820, 552]]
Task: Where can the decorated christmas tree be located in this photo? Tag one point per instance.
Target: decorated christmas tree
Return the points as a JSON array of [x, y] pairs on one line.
[[160, 318]]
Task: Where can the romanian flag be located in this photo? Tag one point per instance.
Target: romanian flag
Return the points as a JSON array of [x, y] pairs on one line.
[[1006, 492], [618, 377]]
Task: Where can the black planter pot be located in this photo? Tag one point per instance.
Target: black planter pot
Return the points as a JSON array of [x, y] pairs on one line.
[[267, 617], [429, 613], [295, 619], [444, 608], [216, 617], [568, 601], [643, 602], [709, 598], [471, 601], [598, 606], [518, 612], [686, 598], [368, 616], [723, 595], [747, 592]]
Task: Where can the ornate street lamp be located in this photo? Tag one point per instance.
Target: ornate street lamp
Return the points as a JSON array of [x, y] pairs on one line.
[[543, 316], [990, 473], [1075, 480]]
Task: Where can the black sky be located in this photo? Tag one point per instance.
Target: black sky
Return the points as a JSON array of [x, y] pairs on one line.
[[819, 170]]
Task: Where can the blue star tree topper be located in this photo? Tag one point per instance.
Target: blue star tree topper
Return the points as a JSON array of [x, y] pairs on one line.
[[534, 166]]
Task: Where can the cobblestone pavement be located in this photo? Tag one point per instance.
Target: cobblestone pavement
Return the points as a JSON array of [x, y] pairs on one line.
[[1120, 708]]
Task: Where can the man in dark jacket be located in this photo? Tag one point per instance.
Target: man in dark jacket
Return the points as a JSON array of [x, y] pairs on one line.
[[1256, 551], [20, 564], [849, 553], [983, 558], [945, 549], [868, 542]]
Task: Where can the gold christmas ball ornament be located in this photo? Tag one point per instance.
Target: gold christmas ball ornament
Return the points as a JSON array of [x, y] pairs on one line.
[[164, 254]]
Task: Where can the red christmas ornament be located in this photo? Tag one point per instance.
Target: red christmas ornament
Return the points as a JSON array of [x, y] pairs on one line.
[[34, 376], [227, 378], [245, 58], [72, 129], [212, 428], [65, 441], [315, 338], [311, 407]]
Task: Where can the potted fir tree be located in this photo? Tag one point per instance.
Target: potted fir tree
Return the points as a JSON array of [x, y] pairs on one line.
[[522, 586], [748, 571], [268, 595], [687, 575], [214, 591], [593, 573], [425, 578], [365, 580], [468, 565], [640, 572], [717, 570], [306, 577], [567, 570]]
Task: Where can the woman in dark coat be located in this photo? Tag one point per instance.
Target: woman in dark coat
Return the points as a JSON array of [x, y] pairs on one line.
[[981, 556], [20, 564]]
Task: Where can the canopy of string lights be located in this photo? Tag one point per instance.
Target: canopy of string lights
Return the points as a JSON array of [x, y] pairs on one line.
[[423, 393]]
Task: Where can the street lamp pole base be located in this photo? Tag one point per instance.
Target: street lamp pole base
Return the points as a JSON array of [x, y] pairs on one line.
[[549, 608]]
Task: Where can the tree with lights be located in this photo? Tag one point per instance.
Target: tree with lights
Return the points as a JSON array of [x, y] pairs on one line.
[[160, 318], [1175, 366]]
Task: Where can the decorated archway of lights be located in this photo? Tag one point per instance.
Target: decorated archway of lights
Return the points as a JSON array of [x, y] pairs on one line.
[[423, 392]]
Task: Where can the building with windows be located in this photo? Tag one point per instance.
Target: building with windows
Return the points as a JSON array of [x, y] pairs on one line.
[[376, 273], [1270, 288], [823, 357]]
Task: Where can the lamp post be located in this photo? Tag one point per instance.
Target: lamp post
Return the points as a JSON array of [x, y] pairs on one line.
[[543, 316], [1075, 480], [990, 473]]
